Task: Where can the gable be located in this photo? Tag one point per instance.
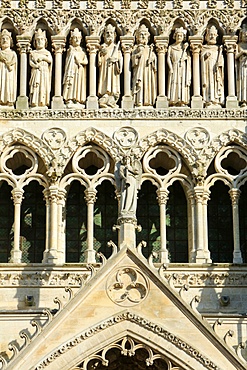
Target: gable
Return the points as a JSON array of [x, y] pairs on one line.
[[127, 298]]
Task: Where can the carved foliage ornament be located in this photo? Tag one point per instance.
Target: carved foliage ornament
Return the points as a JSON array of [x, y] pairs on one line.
[[198, 137], [136, 319]]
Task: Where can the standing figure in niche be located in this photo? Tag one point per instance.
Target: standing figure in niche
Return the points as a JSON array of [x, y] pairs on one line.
[[110, 62], [74, 81], [144, 64], [41, 64], [128, 177], [212, 69], [179, 63], [241, 58], [8, 70]]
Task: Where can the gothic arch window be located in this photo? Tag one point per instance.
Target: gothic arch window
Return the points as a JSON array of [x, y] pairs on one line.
[[177, 224], [76, 223], [148, 216], [243, 221], [105, 217], [33, 216], [220, 228], [6, 222]]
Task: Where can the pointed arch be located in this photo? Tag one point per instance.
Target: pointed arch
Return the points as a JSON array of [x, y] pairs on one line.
[[170, 138], [92, 135], [220, 141], [28, 139]]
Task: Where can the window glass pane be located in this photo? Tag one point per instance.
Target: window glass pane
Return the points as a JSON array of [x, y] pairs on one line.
[[243, 221], [76, 221], [33, 214], [6, 222], [220, 232]]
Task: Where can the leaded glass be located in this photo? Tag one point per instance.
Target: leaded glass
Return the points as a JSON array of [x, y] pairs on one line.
[[32, 235], [6, 222], [105, 217], [76, 221], [220, 229]]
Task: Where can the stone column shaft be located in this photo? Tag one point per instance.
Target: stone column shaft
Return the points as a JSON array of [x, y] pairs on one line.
[[58, 44], [202, 252], [90, 197], [162, 199], [127, 43], [23, 44], [161, 47], [196, 45], [92, 48], [237, 255], [230, 46], [16, 253], [61, 242]]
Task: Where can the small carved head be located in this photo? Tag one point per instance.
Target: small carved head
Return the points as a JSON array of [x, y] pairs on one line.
[[179, 34], [40, 40], [243, 34], [75, 37], [211, 35], [5, 39], [142, 35], [109, 34]]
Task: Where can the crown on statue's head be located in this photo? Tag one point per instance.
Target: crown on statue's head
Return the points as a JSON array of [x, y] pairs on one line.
[[76, 32], [142, 28], [212, 29], [39, 33], [110, 27], [6, 33]]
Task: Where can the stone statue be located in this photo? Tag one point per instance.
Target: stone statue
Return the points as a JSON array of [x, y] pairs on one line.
[[128, 178], [144, 64], [8, 70], [212, 69], [179, 63], [241, 58], [110, 63], [41, 64], [74, 81]]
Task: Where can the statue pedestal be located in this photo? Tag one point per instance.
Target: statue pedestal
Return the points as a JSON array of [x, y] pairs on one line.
[[127, 231], [231, 102], [162, 102], [196, 102], [57, 102], [92, 102], [127, 102], [22, 102]]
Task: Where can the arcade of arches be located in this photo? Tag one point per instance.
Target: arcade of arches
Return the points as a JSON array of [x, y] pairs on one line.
[[123, 185]]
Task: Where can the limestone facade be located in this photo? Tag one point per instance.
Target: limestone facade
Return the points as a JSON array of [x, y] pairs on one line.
[[123, 185]]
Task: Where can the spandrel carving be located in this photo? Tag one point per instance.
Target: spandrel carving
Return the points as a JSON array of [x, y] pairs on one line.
[[74, 81], [110, 63], [144, 64], [212, 69], [241, 59], [8, 70], [41, 64], [179, 64]]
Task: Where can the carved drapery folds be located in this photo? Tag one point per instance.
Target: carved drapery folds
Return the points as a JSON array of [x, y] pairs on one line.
[[131, 54]]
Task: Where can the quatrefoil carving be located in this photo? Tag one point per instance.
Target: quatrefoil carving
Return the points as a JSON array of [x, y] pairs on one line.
[[127, 287]]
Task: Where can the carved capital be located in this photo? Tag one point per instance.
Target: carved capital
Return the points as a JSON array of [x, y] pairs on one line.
[[61, 196], [199, 194], [53, 194], [162, 196], [93, 43], [161, 43], [23, 44], [234, 194], [90, 196], [230, 43], [127, 43], [195, 44], [58, 44], [17, 196]]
